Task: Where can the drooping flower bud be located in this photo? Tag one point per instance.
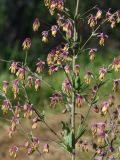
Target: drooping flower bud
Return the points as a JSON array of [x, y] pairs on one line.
[[46, 148], [77, 69], [5, 86], [5, 106], [30, 81], [116, 85], [37, 84], [15, 88], [36, 24]]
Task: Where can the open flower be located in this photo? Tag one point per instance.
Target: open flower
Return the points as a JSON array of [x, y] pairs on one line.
[[68, 28], [20, 73], [26, 44], [105, 107], [54, 30], [116, 64], [101, 133], [118, 16], [60, 5], [111, 18], [98, 131], [60, 20], [5, 106], [66, 87], [36, 24], [88, 76], [98, 14], [45, 36], [40, 66], [13, 151], [28, 110], [52, 6], [103, 38], [92, 53], [13, 67], [47, 3], [111, 100], [79, 100], [67, 69], [35, 122], [35, 142], [52, 69], [92, 21], [102, 73]]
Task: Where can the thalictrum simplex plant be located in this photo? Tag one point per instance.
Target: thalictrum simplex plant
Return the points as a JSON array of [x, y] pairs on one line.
[[76, 91]]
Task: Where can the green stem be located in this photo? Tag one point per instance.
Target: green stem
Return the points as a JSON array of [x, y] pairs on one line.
[[73, 117], [73, 93], [26, 55]]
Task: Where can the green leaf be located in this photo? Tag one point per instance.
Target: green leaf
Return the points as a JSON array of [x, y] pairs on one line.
[[80, 131], [65, 127], [77, 83], [96, 100], [67, 142]]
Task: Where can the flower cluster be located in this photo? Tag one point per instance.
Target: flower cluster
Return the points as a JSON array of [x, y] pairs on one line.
[[57, 57], [113, 18], [55, 99], [54, 5], [99, 131], [92, 20], [32, 146]]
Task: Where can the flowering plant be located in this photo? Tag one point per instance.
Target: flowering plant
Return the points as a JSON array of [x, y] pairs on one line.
[[75, 91]]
